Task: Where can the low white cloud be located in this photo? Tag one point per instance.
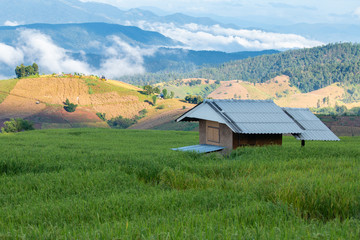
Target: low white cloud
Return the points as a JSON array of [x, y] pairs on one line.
[[41, 49], [34, 46], [200, 37], [11, 23], [123, 59], [357, 12], [95, 44], [10, 55]]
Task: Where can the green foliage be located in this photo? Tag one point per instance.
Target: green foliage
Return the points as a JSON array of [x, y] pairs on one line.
[[162, 106], [193, 99], [165, 93], [337, 111], [194, 82], [128, 184], [309, 68], [70, 107], [143, 113], [102, 116], [156, 90], [154, 99], [352, 93], [26, 71], [17, 125], [121, 123], [5, 88], [91, 91], [181, 89], [149, 89]]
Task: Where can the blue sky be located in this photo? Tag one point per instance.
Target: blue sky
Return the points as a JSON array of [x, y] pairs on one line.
[[278, 11]]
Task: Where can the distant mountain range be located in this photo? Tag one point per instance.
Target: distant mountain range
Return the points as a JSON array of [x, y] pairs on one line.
[[308, 69], [96, 38], [88, 36], [95, 43], [75, 11]]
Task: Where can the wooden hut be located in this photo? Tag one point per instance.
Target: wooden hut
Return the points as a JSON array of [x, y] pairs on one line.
[[228, 124]]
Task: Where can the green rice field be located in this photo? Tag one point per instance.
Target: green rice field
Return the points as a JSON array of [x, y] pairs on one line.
[[128, 184]]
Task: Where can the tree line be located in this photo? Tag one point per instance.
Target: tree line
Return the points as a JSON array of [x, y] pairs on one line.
[[26, 71]]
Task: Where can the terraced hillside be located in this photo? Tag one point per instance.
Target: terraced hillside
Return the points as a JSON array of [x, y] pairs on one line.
[[41, 100]]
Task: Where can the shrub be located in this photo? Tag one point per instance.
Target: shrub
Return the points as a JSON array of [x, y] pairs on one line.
[[91, 91], [143, 112], [154, 98], [162, 106], [17, 125], [121, 122], [70, 107], [165, 93], [102, 116], [193, 99], [148, 90]]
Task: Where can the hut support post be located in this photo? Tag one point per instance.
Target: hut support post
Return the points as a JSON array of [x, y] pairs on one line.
[[302, 143]]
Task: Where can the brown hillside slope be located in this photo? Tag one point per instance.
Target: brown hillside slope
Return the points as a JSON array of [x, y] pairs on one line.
[[280, 90], [311, 99], [230, 89], [41, 100], [170, 110], [54, 91]]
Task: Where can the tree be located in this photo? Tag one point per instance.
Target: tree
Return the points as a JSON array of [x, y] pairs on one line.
[[121, 122], [20, 71], [29, 71], [35, 68], [193, 99], [70, 107], [157, 90], [172, 94], [25, 71], [165, 93], [154, 98], [17, 125], [148, 89]]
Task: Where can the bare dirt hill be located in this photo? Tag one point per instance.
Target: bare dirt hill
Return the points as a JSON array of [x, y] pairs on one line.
[[230, 89], [283, 93], [166, 110], [314, 98], [42, 100]]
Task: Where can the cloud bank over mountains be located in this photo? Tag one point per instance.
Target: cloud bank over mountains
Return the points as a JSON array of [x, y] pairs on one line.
[[216, 37], [34, 46], [122, 58]]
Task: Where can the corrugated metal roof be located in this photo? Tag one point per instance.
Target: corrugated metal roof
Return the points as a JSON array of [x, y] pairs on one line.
[[246, 116], [314, 128], [204, 110], [202, 148]]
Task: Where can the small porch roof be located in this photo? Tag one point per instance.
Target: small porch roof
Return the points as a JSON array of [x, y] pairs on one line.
[[201, 148]]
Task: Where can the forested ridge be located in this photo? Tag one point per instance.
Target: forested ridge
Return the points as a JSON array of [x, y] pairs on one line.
[[309, 69]]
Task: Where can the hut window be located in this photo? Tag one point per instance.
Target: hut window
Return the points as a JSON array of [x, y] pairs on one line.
[[213, 134]]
